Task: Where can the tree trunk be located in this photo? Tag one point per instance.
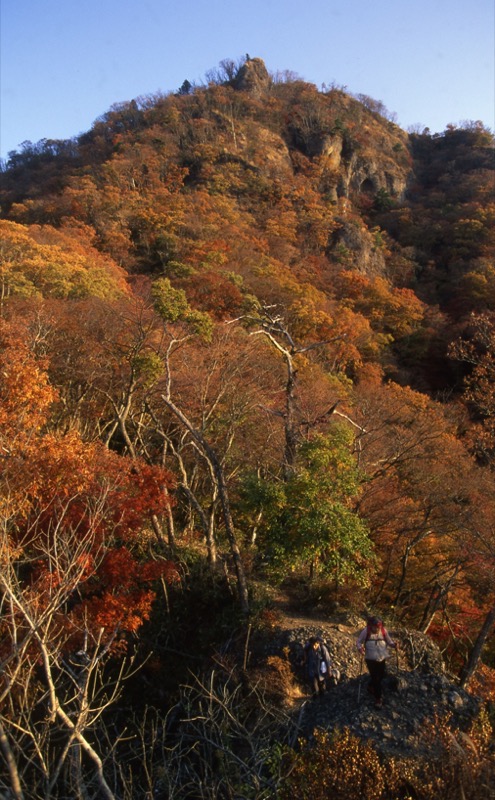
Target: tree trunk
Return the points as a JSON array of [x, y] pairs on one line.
[[273, 327], [290, 429], [206, 524], [15, 783], [224, 502], [475, 654]]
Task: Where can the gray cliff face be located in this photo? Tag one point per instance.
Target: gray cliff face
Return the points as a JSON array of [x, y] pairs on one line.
[[370, 161], [356, 247], [367, 175], [361, 158], [360, 171]]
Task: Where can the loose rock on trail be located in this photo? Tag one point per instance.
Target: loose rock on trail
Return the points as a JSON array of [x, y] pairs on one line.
[[417, 691]]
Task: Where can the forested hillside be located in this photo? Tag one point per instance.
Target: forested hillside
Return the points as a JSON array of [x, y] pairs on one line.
[[247, 346]]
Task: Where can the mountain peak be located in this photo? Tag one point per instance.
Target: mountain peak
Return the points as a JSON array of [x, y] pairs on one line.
[[253, 77]]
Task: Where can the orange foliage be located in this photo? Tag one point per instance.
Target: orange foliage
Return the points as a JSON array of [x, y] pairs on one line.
[[25, 393], [39, 260], [391, 310], [211, 292], [59, 493], [482, 684], [238, 199]]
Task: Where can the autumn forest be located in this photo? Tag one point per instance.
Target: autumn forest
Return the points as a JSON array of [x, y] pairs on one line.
[[247, 342]]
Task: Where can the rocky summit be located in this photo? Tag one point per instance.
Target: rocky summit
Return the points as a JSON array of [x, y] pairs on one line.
[[417, 691]]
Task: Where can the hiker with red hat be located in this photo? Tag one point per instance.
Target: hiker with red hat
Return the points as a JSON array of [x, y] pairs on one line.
[[373, 643]]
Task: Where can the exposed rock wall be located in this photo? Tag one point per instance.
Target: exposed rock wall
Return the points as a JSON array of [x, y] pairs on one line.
[[361, 172], [356, 247]]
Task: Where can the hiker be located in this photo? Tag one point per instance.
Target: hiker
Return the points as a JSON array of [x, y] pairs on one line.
[[372, 643], [319, 668]]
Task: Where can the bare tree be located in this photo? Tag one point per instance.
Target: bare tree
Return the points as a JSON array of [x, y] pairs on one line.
[[53, 685], [219, 737], [272, 325], [221, 484]]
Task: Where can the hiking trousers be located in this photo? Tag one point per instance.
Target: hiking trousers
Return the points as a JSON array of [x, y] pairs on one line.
[[376, 670], [318, 686]]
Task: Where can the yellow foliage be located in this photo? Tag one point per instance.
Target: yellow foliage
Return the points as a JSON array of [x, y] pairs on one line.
[[38, 261], [338, 766]]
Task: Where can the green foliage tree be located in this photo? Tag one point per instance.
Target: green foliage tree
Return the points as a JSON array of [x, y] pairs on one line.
[[172, 306], [307, 521]]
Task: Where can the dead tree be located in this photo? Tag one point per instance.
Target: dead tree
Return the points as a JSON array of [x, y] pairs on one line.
[[50, 697]]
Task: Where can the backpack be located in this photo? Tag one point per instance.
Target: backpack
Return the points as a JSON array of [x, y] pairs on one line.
[[381, 629]]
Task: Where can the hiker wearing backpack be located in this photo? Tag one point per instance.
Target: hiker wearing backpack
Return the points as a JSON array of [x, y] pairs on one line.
[[318, 666], [373, 643]]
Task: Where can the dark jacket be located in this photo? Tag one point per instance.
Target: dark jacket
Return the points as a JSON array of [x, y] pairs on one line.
[[314, 659]]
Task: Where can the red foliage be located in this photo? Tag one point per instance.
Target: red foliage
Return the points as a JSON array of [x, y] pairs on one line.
[[208, 291], [70, 505], [119, 596]]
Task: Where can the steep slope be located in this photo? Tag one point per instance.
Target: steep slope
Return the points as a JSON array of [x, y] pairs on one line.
[[273, 149], [252, 193], [217, 307], [250, 172]]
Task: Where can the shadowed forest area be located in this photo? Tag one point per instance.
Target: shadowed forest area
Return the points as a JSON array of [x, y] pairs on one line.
[[247, 387]]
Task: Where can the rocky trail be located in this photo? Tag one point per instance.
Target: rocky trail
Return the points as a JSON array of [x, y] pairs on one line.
[[417, 690]]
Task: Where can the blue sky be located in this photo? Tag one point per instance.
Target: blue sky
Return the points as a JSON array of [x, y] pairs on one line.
[[63, 64]]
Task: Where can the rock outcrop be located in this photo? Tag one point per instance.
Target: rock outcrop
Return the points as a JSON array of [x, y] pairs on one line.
[[356, 246], [366, 175], [417, 691], [253, 77]]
